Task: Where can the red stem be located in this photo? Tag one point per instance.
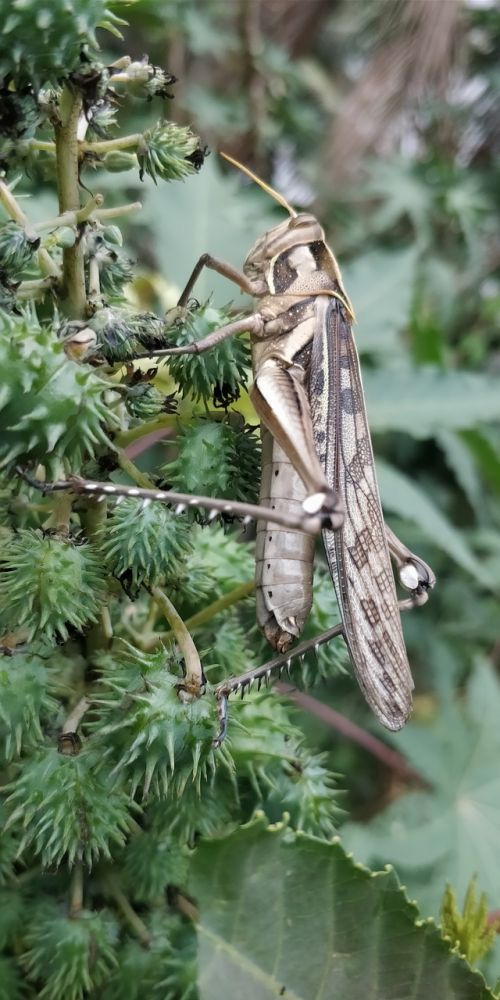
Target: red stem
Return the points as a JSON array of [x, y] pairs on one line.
[[391, 758]]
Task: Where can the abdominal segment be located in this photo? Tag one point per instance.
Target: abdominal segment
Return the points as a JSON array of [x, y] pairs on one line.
[[284, 558]]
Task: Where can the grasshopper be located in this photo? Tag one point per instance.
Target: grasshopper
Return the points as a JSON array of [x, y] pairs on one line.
[[318, 470]]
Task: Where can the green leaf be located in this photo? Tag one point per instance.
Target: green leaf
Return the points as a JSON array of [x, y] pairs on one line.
[[424, 401], [461, 463], [402, 496], [291, 916], [210, 213], [451, 831], [380, 286]]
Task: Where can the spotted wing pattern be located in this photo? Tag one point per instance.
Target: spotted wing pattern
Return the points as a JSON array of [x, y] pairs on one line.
[[357, 554]]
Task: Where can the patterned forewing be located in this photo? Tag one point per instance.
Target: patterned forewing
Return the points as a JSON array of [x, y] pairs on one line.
[[357, 554]]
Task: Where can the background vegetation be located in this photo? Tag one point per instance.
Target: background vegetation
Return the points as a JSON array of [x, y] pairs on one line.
[[383, 118]]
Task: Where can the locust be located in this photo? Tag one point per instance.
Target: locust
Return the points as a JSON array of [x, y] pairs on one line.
[[318, 472]]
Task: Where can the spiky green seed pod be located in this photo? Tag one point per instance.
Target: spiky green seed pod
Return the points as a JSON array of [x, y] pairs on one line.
[[53, 410], [48, 585], [122, 334], [152, 860], [24, 702], [165, 970], [115, 269], [163, 743], [205, 463], [217, 459], [224, 368], [60, 27], [77, 818], [19, 116], [69, 957], [11, 984], [143, 544], [144, 401], [205, 812], [306, 789], [164, 150], [9, 844], [16, 250]]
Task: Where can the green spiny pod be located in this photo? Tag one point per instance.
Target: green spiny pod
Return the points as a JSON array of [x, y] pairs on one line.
[[152, 860], [305, 788], [54, 411], [205, 812], [205, 463], [224, 368], [16, 250], [165, 970], [143, 544], [24, 702], [115, 269], [164, 152], [79, 817], [217, 459], [144, 401], [69, 957], [162, 742], [60, 27], [49, 585]]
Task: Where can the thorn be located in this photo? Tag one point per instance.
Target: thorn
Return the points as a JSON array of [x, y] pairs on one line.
[[119, 499], [145, 503], [90, 486], [107, 488], [132, 491], [212, 514], [316, 648], [180, 508], [101, 498], [301, 658], [247, 519], [160, 495], [171, 750], [196, 757]]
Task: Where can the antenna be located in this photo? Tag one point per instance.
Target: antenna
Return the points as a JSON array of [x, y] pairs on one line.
[[265, 187]]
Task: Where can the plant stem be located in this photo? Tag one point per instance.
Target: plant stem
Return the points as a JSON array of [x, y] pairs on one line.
[[41, 145], [67, 152], [140, 478], [134, 921], [203, 616], [76, 715], [14, 210], [76, 891], [194, 672], [143, 430], [109, 145]]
